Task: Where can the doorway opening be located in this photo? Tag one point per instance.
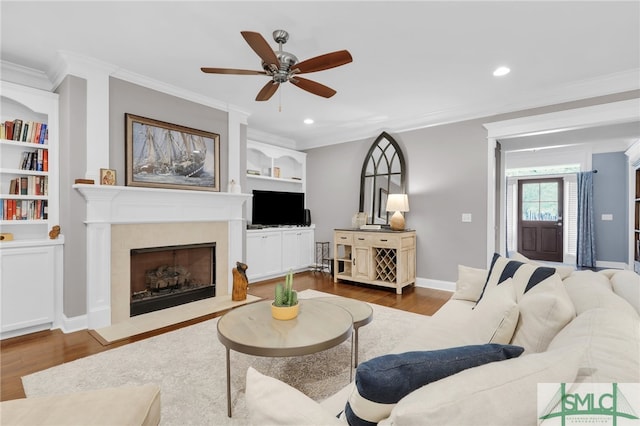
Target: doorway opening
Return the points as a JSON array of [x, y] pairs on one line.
[[541, 212]]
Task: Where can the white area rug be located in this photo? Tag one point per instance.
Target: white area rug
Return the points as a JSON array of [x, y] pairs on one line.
[[189, 366]]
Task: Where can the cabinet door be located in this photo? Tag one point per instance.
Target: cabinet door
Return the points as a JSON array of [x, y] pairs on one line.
[[263, 254], [297, 249], [27, 296], [362, 263]]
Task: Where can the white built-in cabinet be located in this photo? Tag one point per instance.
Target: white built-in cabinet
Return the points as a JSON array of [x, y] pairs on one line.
[[31, 263], [273, 252]]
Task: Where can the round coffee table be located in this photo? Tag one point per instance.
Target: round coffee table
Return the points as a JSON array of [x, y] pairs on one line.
[[361, 312], [251, 329]]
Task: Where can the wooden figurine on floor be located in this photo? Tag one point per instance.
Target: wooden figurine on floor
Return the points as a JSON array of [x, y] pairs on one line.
[[240, 282]]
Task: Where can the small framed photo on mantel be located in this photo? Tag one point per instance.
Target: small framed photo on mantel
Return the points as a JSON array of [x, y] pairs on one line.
[[107, 177]]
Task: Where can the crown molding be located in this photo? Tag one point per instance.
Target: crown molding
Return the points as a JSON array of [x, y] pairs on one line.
[[25, 76], [260, 136], [69, 63]]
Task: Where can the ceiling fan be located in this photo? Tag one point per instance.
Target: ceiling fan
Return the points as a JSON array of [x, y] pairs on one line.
[[283, 66]]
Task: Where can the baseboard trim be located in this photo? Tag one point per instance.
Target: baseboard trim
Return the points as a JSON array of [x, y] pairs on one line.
[[436, 284], [611, 265], [69, 325]]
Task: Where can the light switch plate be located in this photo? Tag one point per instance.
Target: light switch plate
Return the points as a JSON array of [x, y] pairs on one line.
[[466, 217], [607, 217]]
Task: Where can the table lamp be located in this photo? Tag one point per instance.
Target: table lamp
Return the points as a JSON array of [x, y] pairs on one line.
[[397, 203]]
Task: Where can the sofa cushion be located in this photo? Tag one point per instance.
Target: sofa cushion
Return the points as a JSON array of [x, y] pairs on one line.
[[525, 276], [612, 342], [562, 270], [125, 405], [383, 381], [470, 283], [495, 317], [272, 402], [626, 284], [544, 311], [590, 290], [500, 393]]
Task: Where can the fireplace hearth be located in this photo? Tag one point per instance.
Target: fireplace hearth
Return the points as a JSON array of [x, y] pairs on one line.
[[163, 277]]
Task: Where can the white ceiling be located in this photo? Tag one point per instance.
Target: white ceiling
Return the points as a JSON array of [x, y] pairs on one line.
[[415, 63]]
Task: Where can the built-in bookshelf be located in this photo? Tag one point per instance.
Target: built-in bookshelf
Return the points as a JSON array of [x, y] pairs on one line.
[[28, 188], [31, 261], [277, 164]]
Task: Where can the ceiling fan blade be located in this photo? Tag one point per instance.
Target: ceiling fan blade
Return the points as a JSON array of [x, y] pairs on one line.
[[231, 71], [313, 87], [261, 47], [267, 91], [324, 62]]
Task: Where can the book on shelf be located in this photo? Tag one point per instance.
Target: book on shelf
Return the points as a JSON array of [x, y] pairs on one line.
[[17, 129], [25, 132], [3, 132], [24, 185], [8, 130]]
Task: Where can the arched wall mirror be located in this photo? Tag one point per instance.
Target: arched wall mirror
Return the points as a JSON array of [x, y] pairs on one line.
[[383, 173]]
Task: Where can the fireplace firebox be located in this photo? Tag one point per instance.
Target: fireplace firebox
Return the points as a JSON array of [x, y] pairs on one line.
[[163, 277]]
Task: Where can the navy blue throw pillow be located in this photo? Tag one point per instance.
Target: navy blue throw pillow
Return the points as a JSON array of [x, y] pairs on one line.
[[381, 382]]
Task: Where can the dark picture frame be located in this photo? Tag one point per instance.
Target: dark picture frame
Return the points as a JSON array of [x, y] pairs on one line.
[[164, 155]]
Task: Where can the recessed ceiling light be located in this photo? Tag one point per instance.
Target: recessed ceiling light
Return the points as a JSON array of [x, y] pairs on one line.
[[500, 71], [308, 121]]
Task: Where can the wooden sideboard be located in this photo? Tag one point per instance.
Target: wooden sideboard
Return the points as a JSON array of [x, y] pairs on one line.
[[379, 257]]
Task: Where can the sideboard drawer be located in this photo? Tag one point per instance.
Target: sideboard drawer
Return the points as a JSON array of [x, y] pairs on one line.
[[344, 238], [386, 241]]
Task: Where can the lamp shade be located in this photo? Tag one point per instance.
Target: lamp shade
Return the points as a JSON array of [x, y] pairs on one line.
[[397, 203]]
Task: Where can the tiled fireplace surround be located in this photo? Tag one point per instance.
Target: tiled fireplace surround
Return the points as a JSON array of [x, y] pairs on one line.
[[121, 218]]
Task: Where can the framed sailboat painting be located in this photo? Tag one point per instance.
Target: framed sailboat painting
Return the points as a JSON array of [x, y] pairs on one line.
[[164, 155]]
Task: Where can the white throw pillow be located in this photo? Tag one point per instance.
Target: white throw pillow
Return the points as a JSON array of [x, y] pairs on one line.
[[272, 402], [562, 270], [470, 283], [495, 317], [525, 276], [544, 311], [500, 393]]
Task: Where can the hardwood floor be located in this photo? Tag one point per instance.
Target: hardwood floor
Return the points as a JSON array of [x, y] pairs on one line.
[[28, 354]]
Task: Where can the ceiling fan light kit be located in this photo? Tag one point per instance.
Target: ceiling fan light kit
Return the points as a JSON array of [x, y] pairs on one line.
[[283, 66]]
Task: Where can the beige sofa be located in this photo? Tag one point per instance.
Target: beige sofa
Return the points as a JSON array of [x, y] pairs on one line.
[[126, 405], [576, 327]]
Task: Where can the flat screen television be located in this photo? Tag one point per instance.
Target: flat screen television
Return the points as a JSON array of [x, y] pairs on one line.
[[276, 208]]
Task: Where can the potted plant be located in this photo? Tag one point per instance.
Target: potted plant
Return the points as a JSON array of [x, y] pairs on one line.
[[285, 305]]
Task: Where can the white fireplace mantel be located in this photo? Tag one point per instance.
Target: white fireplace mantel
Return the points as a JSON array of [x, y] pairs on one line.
[[108, 205]]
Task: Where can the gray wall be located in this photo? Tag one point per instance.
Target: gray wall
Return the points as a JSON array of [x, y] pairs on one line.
[[610, 196], [73, 153], [447, 176], [125, 97]]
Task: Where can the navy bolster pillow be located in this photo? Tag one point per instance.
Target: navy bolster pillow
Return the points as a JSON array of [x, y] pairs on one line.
[[381, 382]]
